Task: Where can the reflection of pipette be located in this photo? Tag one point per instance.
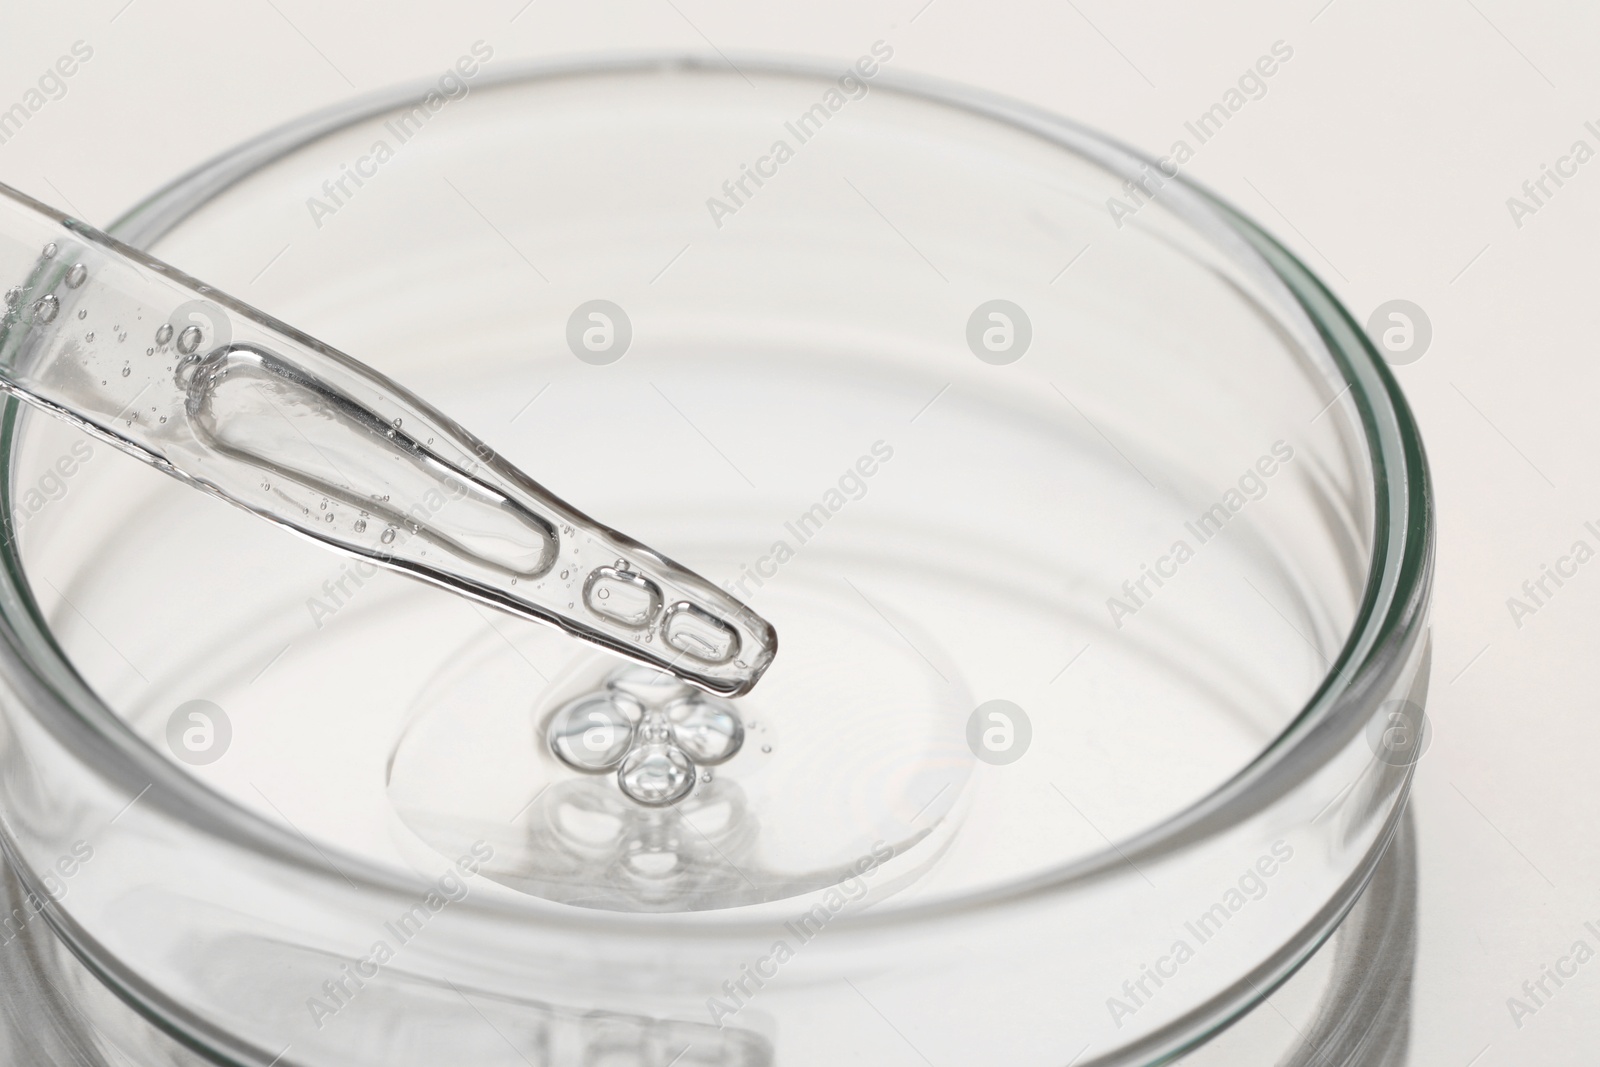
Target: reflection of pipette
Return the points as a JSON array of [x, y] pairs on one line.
[[236, 403]]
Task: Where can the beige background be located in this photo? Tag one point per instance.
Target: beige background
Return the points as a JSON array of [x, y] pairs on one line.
[[1384, 152]]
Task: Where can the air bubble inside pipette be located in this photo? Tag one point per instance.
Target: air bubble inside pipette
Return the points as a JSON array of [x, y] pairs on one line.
[[314, 441], [252, 405]]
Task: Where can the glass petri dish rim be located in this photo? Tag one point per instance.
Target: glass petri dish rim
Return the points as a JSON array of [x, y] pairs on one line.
[[1388, 624]]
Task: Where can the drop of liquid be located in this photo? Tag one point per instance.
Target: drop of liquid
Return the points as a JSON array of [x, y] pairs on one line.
[[126, 371], [164, 334], [361, 526], [49, 251], [593, 733], [387, 537], [656, 775], [89, 337], [189, 340], [45, 308], [83, 313], [77, 275], [706, 728]]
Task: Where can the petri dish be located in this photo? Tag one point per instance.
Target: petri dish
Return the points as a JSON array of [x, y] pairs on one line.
[[1100, 555], [1349, 1004]]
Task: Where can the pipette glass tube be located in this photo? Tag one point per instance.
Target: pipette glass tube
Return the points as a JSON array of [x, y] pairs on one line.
[[240, 405]]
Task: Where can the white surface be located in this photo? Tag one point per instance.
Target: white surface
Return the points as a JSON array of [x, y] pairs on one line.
[[1383, 152]]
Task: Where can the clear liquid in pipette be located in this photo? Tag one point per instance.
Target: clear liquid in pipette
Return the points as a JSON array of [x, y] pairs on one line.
[[301, 438]]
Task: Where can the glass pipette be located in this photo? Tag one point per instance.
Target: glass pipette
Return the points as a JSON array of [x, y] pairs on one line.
[[234, 402]]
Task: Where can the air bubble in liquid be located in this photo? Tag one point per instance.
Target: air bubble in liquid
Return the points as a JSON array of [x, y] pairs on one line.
[[76, 275], [14, 296], [45, 308], [164, 334], [387, 537], [189, 340], [89, 337], [656, 775], [49, 251], [622, 596], [698, 634], [361, 526]]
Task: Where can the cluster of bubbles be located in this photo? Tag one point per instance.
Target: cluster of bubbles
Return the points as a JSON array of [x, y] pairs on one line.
[[653, 730]]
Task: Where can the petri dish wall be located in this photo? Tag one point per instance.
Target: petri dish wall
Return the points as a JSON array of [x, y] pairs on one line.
[[961, 437]]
